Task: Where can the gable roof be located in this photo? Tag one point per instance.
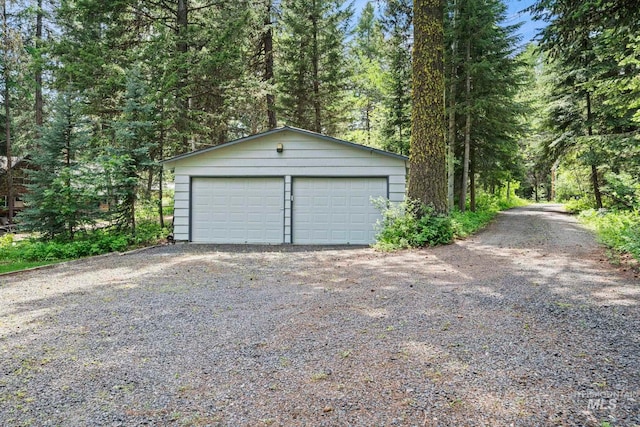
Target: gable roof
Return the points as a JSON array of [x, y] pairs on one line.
[[284, 129]]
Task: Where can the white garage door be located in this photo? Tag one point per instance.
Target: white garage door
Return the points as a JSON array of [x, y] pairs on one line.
[[237, 210], [335, 210]]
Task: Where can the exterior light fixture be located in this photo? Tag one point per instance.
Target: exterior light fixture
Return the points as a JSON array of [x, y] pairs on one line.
[[279, 147]]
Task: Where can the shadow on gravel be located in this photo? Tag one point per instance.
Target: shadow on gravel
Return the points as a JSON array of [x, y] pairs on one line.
[[267, 248], [509, 327]]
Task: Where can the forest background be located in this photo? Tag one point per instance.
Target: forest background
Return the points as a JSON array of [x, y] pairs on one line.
[[96, 93]]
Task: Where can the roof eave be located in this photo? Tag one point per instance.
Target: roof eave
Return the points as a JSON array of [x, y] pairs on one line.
[[172, 160]]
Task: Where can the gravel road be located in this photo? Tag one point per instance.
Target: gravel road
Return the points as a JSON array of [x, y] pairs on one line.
[[525, 324]]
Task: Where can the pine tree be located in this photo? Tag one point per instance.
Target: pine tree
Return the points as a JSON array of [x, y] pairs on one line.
[[131, 152], [397, 21], [489, 111], [591, 43], [62, 193], [312, 70], [366, 55]]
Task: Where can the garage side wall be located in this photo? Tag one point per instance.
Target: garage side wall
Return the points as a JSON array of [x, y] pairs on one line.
[[302, 156]]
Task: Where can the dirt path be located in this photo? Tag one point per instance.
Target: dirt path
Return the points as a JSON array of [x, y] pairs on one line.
[[524, 324]]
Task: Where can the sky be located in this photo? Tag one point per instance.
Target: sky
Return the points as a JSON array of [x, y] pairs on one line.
[[514, 15]]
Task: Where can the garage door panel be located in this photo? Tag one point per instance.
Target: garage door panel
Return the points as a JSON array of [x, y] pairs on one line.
[[237, 210], [336, 210]]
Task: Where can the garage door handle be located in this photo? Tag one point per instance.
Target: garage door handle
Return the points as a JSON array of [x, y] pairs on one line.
[[291, 198]]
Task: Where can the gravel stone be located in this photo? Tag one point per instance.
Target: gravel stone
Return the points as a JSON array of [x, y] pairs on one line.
[[524, 324]]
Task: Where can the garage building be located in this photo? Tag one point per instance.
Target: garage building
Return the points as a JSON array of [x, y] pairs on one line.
[[285, 185]]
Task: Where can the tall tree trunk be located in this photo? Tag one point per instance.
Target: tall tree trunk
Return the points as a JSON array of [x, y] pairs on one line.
[[315, 64], [67, 163], [594, 166], [39, 103], [149, 189], [272, 121], [427, 158], [472, 182], [367, 121], [467, 131], [182, 48], [7, 111], [452, 114], [554, 171], [161, 152]]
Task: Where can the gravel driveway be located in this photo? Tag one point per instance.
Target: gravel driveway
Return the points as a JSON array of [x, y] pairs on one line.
[[524, 324]]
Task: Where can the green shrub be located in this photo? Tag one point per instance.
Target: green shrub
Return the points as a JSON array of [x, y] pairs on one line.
[[93, 243], [148, 232], [410, 225], [580, 204], [6, 241], [620, 230], [621, 191]]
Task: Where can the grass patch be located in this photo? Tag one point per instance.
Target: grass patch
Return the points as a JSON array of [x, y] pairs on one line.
[[466, 223], [8, 267]]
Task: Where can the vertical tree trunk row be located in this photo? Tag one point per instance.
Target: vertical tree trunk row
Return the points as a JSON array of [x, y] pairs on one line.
[[7, 110], [467, 131], [315, 64], [594, 166], [452, 116], [39, 103], [182, 47], [272, 121]]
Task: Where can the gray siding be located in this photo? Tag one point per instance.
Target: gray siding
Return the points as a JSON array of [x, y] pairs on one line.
[[303, 155]]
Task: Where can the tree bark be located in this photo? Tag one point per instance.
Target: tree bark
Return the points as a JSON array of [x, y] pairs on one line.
[[315, 65], [554, 171], [67, 163], [452, 114], [427, 158], [472, 182], [272, 121], [161, 155], [7, 112], [39, 103], [467, 132], [594, 167], [182, 47]]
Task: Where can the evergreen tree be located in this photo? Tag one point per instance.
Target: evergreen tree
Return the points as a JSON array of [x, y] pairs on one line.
[[397, 21], [492, 81], [62, 193], [591, 44], [366, 55], [131, 152], [312, 70], [483, 79]]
